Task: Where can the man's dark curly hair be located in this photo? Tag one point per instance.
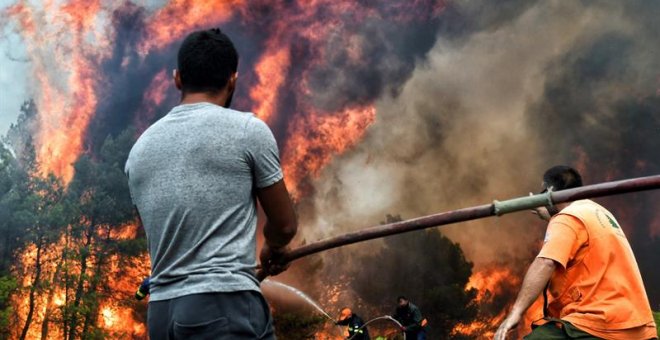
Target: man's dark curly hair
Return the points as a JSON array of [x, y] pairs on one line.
[[562, 177], [206, 60]]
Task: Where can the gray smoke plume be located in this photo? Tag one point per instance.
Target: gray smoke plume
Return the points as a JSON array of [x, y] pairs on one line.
[[496, 101]]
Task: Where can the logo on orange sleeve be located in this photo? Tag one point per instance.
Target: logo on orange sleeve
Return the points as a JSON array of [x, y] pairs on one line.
[[606, 221]]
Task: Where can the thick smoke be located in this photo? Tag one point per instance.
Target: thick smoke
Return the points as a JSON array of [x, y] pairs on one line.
[[602, 99], [499, 99], [124, 81]]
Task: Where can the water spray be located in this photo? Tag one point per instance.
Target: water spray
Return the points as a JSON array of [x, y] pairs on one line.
[[497, 208], [303, 296], [384, 317]]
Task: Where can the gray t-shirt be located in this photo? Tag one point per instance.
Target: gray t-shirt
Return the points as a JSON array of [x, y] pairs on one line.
[[192, 176]]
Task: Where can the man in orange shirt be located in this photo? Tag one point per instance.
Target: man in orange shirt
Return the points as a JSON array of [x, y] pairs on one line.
[[587, 272]]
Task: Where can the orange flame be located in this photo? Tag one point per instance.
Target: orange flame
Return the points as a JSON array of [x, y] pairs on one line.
[[315, 138], [179, 17], [270, 72], [46, 303], [66, 108], [116, 317], [64, 46], [491, 283]]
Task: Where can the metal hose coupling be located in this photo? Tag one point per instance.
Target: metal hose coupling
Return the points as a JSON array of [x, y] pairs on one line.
[[522, 203]]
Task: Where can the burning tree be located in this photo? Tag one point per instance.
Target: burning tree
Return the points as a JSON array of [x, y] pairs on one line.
[[60, 243], [35, 212], [8, 242], [103, 206]]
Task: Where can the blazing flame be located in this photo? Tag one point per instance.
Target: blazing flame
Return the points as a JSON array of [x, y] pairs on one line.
[[116, 317], [270, 72], [178, 17], [491, 284], [312, 151], [64, 67]]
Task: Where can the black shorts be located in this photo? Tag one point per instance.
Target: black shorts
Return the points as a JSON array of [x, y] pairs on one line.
[[237, 315]]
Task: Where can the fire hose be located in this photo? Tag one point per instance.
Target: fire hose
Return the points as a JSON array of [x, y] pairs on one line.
[[497, 208]]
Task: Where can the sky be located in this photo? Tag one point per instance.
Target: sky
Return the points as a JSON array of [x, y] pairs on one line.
[[14, 66]]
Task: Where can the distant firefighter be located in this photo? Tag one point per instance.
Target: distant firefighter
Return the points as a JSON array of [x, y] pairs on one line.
[[586, 271], [356, 329], [411, 319]]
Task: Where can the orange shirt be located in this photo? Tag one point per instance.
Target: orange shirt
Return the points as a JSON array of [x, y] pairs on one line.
[[598, 287]]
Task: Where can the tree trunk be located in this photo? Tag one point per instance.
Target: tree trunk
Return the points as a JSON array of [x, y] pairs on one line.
[[92, 312], [44, 325], [33, 289], [65, 256], [51, 294], [81, 283]]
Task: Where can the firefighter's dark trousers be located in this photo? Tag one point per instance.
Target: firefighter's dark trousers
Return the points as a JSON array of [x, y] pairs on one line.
[[217, 316], [419, 335], [558, 331]]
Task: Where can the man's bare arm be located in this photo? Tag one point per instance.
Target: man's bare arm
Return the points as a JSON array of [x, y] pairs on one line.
[[282, 224], [536, 279]]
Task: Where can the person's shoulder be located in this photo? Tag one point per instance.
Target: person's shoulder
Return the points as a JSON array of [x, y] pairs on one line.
[[256, 128], [253, 119], [152, 134], [144, 137], [577, 208], [571, 216], [156, 127], [248, 120]]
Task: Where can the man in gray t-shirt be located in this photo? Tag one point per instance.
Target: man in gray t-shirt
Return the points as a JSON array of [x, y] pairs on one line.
[[194, 177]]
